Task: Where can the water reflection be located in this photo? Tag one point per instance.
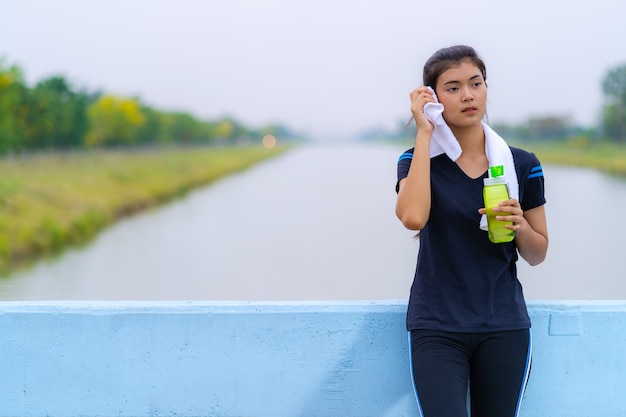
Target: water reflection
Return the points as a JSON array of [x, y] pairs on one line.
[[586, 254], [317, 223]]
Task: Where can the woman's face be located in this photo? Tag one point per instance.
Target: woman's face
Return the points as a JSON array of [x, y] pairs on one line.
[[463, 93]]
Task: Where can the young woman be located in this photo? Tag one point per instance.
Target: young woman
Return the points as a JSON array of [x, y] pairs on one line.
[[467, 318]]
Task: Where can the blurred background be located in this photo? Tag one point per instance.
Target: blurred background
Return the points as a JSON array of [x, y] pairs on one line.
[[247, 150]]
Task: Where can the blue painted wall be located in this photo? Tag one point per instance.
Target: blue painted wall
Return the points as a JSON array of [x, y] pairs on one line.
[[280, 359]]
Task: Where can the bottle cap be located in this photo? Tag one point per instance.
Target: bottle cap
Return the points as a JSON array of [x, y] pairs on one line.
[[496, 171]]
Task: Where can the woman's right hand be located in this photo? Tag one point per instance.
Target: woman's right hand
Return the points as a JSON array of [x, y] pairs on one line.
[[419, 97]]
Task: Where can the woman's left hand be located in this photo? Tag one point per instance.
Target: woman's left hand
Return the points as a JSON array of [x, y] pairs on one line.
[[511, 212], [531, 230]]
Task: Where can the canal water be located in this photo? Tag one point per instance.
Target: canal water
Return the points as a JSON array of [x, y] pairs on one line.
[[317, 223]]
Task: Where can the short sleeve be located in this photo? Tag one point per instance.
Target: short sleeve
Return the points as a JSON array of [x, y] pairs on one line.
[[533, 184], [404, 163]]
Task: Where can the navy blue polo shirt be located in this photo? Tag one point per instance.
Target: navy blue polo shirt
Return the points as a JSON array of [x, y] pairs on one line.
[[463, 282]]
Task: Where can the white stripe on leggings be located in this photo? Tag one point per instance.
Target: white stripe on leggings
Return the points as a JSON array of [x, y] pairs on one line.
[[417, 399], [526, 374], [522, 389]]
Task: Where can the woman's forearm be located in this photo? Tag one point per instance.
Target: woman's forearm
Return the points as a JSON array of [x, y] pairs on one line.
[[532, 239], [413, 203]]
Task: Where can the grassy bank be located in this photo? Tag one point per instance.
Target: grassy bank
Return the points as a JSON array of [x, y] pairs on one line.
[[48, 202], [607, 157]]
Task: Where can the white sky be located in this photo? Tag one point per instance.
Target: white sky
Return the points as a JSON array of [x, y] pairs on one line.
[[332, 68]]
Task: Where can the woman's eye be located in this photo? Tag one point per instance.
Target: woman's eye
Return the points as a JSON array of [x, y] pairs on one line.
[[452, 89], [478, 84]]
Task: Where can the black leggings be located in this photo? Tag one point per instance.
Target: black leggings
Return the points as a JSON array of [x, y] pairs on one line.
[[495, 367]]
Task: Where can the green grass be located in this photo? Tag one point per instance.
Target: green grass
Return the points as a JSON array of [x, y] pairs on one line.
[[606, 157], [50, 202], [609, 157]]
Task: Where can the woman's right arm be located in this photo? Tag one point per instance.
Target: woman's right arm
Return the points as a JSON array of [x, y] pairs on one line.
[[413, 203]]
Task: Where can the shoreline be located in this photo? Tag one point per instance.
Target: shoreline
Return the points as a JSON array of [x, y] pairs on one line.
[[51, 202], [609, 158]]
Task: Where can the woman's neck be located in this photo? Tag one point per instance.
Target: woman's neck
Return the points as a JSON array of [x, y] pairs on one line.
[[471, 138], [473, 159]]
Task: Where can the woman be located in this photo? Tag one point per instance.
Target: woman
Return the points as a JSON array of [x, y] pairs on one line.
[[467, 318]]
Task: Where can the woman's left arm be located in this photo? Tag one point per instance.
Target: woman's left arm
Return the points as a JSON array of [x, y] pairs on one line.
[[530, 227], [531, 231]]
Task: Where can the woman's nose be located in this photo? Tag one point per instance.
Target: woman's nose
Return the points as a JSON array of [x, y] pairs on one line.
[[467, 95]]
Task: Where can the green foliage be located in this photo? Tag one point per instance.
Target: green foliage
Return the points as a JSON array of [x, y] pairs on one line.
[[154, 130], [614, 121], [54, 115], [606, 156], [614, 85], [225, 129], [550, 127], [614, 111], [545, 129], [114, 121], [12, 93]]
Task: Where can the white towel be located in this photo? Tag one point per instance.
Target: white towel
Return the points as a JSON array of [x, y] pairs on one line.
[[499, 153], [442, 139], [496, 149]]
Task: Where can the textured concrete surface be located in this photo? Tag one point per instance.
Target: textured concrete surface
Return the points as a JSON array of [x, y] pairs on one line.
[[343, 359]]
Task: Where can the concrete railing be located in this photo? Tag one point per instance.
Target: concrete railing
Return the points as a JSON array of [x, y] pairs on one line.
[[275, 359]]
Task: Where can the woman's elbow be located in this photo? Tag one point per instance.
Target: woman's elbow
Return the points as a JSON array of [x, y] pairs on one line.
[[411, 222], [536, 260], [413, 216]]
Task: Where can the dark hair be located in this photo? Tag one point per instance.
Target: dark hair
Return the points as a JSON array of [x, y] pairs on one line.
[[447, 58]]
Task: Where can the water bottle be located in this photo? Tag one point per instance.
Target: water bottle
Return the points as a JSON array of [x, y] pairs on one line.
[[496, 191]]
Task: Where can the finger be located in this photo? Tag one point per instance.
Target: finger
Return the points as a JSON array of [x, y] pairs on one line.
[[423, 93], [516, 221], [510, 202], [418, 103], [510, 206], [416, 96]]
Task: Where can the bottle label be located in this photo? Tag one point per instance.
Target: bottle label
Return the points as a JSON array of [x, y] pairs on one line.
[[493, 196]]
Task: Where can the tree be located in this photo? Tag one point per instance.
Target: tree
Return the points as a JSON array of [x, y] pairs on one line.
[[549, 127], [225, 129], [53, 115], [114, 121], [614, 111], [56, 115], [12, 91], [155, 128], [184, 128]]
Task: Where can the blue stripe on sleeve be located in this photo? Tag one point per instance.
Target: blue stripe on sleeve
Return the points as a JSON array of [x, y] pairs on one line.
[[536, 172], [406, 155]]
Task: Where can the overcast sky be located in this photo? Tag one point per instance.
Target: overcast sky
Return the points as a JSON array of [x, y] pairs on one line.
[[332, 68]]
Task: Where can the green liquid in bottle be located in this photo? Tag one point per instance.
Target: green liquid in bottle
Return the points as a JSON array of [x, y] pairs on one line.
[[496, 191]]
